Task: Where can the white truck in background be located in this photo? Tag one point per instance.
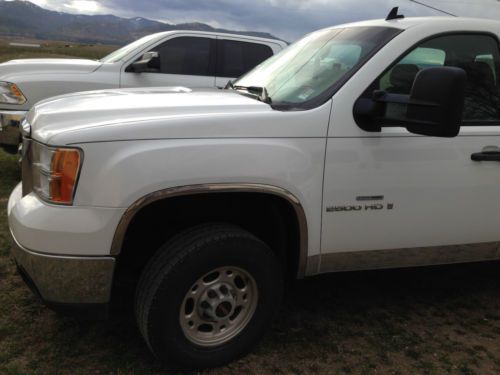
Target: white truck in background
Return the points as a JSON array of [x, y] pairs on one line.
[[172, 58]]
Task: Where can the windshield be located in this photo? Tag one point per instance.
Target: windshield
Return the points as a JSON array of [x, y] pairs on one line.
[[311, 67], [124, 51]]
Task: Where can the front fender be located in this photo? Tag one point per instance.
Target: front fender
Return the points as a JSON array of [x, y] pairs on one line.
[[118, 174]]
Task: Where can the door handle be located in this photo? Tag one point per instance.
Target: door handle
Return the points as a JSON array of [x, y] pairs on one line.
[[489, 153]]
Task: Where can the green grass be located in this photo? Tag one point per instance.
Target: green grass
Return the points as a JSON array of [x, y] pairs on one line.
[[443, 320], [53, 49]]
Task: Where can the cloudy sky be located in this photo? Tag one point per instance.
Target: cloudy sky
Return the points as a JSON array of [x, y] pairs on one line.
[[288, 19]]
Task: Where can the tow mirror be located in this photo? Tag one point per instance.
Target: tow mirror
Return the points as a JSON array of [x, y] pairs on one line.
[[149, 62], [434, 107]]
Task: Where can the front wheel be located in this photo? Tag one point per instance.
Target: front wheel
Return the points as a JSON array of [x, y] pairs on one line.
[[208, 295]]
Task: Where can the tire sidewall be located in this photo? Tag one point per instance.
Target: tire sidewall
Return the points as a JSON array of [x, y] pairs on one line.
[[165, 334]]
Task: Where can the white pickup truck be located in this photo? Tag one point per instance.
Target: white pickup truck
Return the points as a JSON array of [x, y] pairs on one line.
[[172, 58], [362, 146]]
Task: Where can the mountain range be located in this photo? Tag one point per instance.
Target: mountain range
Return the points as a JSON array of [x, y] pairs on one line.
[[22, 18]]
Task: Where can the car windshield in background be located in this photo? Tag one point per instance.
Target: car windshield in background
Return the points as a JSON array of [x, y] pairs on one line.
[[311, 68], [119, 54]]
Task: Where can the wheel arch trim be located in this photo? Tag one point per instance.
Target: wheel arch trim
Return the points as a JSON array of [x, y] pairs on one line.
[[187, 190]]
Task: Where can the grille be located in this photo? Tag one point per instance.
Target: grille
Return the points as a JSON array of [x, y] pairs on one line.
[[26, 166]]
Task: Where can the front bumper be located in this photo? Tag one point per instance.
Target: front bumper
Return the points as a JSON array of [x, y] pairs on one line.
[[10, 123], [53, 261], [66, 280]]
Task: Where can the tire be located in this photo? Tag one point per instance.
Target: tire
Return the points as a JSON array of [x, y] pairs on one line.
[[175, 300]]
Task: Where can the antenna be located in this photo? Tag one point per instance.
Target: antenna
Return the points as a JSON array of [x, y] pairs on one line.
[[393, 14], [433, 8]]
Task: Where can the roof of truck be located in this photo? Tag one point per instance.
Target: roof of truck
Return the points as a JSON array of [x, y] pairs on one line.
[[453, 22], [222, 34]]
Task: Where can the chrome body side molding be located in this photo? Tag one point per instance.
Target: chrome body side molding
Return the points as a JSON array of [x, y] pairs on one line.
[[218, 188], [401, 258]]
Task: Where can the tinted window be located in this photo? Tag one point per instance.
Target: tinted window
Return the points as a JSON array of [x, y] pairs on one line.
[[186, 55], [236, 58], [478, 55], [419, 58]]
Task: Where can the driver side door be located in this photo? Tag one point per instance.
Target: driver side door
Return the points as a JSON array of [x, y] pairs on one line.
[[394, 199]]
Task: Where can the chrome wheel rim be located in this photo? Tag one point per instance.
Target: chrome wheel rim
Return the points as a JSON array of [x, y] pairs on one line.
[[218, 306]]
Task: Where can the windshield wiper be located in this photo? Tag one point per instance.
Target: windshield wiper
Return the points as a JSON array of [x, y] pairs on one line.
[[256, 92]]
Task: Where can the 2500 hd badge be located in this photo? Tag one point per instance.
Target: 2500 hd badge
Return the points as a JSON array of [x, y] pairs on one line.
[[358, 207]]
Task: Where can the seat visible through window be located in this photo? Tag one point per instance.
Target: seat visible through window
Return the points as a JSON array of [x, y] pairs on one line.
[[401, 78], [480, 91]]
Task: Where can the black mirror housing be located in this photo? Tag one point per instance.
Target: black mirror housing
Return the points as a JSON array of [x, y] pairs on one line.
[[444, 89], [434, 107]]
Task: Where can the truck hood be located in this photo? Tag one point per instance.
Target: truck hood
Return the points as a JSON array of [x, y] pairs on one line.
[[31, 66], [105, 108]]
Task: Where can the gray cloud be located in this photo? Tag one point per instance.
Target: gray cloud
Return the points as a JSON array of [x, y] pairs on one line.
[[288, 19]]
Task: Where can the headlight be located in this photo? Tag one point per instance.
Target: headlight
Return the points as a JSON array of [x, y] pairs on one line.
[[11, 94], [55, 172]]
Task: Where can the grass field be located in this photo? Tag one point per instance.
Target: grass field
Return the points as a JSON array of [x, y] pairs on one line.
[[418, 321], [52, 49]]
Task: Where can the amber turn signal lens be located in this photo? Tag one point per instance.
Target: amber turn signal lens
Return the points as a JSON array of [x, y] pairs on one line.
[[15, 91], [64, 173]]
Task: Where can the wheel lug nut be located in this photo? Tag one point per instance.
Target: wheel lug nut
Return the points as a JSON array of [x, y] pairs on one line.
[[212, 294]]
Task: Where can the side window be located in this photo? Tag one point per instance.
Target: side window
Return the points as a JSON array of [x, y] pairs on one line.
[[477, 54], [237, 58], [399, 79], [187, 56]]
